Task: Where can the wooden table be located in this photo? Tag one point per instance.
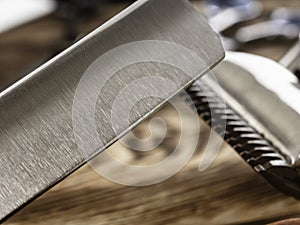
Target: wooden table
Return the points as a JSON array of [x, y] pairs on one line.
[[228, 192]]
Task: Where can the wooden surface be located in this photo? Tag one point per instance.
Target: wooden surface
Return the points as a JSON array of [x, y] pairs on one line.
[[228, 192]]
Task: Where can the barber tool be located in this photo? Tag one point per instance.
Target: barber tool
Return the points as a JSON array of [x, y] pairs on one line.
[[225, 14], [291, 60], [38, 143], [284, 22], [262, 115]]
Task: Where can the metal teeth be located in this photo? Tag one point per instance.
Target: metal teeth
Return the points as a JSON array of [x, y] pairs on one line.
[[252, 146], [257, 151], [263, 158]]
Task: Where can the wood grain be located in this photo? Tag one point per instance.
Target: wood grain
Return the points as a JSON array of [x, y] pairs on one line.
[[228, 192]]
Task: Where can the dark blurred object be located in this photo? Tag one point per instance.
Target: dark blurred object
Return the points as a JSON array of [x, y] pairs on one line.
[[72, 12], [295, 221]]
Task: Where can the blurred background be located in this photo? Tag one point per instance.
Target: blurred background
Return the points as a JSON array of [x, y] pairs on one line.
[[31, 31], [229, 192]]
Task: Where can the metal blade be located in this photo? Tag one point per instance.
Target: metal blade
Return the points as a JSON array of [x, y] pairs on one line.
[[271, 99], [261, 115], [37, 139], [259, 152]]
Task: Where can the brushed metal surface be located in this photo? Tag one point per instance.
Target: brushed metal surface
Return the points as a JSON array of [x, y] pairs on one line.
[[38, 146]]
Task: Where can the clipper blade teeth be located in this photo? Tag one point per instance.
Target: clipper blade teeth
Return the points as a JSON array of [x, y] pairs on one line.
[[251, 145]]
